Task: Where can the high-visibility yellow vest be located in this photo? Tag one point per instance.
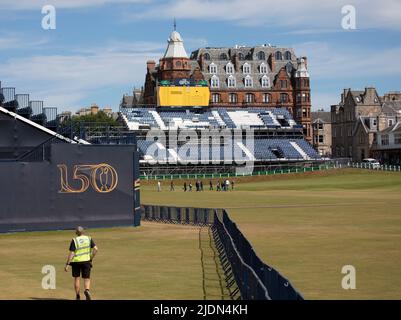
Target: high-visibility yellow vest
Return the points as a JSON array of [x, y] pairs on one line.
[[82, 249]]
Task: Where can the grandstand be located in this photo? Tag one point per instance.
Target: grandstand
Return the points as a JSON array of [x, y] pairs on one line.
[[29, 109], [275, 136]]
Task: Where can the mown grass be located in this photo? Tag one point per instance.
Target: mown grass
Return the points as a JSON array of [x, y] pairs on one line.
[[309, 226]]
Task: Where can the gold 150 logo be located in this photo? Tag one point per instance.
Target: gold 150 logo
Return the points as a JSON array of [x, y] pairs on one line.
[[102, 177]]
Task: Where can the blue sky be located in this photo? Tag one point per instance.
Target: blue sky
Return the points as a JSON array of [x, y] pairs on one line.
[[99, 48]]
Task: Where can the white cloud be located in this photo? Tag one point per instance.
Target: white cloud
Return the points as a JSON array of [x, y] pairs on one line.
[[65, 80], [19, 41], [38, 4], [313, 14], [327, 61]]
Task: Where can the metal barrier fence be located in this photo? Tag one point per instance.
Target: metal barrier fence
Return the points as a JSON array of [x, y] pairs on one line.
[[233, 175], [382, 167], [194, 216], [255, 279]]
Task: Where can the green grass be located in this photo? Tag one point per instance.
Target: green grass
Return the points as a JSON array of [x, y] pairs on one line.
[[305, 225], [154, 261], [309, 226]]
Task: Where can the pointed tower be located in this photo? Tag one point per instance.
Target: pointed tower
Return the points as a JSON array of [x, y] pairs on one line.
[[302, 102], [175, 62]]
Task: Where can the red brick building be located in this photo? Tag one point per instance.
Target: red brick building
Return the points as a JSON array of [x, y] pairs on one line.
[[260, 76]]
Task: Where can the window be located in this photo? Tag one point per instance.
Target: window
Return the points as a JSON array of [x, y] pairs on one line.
[[320, 138], [350, 151], [231, 82], [283, 84], [283, 97], [287, 55], [213, 68], [390, 122], [385, 140], [178, 64], [266, 98], [241, 56], [263, 68], [223, 56], [397, 138], [304, 113], [320, 126], [261, 55], [279, 55], [298, 97], [215, 98], [246, 68], [350, 131], [232, 98], [248, 81], [265, 82], [361, 138], [229, 68], [206, 56], [214, 82], [249, 98]]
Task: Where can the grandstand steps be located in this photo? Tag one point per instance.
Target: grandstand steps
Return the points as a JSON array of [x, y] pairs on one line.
[[300, 151], [158, 120], [218, 118], [246, 151]]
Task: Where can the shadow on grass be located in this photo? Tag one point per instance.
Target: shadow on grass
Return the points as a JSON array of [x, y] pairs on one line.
[[49, 299]]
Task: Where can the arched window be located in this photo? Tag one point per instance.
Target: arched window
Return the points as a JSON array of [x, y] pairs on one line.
[[206, 56], [215, 98], [279, 55], [212, 68], [241, 56], [178, 63], [231, 82], [223, 56], [249, 98], [263, 68], [232, 98], [261, 55], [265, 82], [214, 82], [229, 68], [246, 68], [248, 81], [287, 55]]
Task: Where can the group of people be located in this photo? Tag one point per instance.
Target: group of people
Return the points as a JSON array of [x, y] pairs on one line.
[[220, 185]]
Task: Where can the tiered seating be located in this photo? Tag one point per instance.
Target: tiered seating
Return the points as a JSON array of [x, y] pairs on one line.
[[307, 148], [139, 116], [263, 149]]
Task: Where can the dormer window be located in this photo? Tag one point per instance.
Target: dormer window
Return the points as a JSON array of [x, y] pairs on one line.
[[223, 56], [206, 56], [229, 68], [263, 68], [287, 55], [246, 68], [241, 56], [248, 81], [231, 82], [214, 82], [279, 55], [261, 55], [265, 82], [358, 99], [212, 68]]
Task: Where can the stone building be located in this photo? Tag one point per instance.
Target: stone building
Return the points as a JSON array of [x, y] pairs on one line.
[[321, 132], [358, 120]]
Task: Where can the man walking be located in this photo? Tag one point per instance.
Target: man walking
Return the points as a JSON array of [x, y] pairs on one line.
[[172, 185], [159, 186], [82, 251]]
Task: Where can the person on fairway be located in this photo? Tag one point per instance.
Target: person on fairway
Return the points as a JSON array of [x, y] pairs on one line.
[[82, 251]]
